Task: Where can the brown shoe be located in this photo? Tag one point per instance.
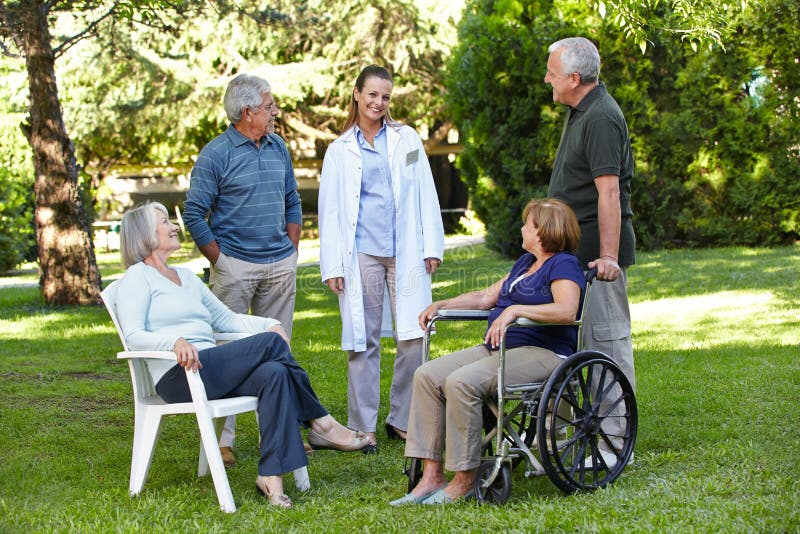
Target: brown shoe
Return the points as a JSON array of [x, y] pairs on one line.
[[227, 456]]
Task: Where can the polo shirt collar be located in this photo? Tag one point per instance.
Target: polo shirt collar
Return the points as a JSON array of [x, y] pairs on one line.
[[239, 139], [596, 93]]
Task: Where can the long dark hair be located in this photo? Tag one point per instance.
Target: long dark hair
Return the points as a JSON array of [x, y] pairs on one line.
[[370, 71]]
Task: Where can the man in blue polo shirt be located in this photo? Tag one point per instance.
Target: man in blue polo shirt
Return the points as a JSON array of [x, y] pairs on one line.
[[243, 212], [592, 173]]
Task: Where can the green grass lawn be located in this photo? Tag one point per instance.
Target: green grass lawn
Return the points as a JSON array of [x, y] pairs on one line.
[[717, 339]]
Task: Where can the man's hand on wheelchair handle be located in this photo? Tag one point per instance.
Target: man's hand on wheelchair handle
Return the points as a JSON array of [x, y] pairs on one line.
[[607, 268]]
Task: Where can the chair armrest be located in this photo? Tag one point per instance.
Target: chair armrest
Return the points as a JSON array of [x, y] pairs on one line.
[[148, 354], [230, 336]]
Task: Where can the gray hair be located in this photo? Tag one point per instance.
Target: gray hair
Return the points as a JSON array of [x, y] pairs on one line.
[[580, 55], [137, 233], [244, 91]]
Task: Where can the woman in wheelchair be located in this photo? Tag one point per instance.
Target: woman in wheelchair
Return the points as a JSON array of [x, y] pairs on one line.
[[545, 285], [166, 308]]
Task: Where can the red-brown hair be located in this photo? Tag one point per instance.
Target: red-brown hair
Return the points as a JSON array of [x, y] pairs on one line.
[[556, 223]]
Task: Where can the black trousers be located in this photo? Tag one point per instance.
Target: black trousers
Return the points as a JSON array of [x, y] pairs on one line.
[[262, 366]]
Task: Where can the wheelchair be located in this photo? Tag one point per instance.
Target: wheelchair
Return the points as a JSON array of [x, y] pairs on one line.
[[557, 427]]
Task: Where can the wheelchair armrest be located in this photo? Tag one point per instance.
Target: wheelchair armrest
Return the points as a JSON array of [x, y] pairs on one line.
[[147, 355], [462, 315], [522, 321]]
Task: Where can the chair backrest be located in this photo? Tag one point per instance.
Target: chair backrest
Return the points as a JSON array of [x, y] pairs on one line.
[[109, 296], [143, 387]]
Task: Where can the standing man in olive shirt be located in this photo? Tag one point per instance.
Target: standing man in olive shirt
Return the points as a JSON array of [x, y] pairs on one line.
[[592, 173]]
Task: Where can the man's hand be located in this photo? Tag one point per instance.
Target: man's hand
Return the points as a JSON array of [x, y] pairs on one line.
[[607, 269], [211, 252]]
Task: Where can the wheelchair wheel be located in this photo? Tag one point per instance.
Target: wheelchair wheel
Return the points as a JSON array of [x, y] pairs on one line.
[[587, 405], [499, 491], [413, 471]]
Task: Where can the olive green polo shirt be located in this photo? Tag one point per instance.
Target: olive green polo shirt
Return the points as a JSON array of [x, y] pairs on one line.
[[595, 142]]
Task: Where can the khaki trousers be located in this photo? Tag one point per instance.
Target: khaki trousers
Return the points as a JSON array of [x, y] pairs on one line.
[[263, 289], [446, 406]]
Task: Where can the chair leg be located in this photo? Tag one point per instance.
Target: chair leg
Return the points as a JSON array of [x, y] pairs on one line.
[[210, 442], [301, 480], [146, 429], [202, 465]]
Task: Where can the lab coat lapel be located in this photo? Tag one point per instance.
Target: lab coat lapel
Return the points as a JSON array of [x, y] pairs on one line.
[[392, 141]]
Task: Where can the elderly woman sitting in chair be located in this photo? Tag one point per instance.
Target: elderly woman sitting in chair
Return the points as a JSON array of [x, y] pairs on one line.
[[545, 285], [169, 308]]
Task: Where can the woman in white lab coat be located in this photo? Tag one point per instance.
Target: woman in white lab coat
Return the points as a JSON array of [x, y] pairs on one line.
[[380, 234]]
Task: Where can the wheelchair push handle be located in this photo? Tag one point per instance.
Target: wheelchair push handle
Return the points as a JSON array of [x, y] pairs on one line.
[[591, 274]]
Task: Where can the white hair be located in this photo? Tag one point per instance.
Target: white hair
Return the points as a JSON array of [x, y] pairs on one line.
[[580, 55], [137, 233], [244, 91]]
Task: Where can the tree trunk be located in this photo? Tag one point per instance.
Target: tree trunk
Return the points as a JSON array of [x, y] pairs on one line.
[[67, 265]]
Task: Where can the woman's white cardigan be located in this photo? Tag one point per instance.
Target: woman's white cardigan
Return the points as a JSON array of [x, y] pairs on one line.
[[419, 230]]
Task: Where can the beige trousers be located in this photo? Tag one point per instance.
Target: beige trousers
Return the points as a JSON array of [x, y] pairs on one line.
[[364, 367], [446, 405]]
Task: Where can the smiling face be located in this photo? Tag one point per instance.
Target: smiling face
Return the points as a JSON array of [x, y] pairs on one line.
[[373, 100], [264, 115], [563, 84], [258, 121], [166, 233]]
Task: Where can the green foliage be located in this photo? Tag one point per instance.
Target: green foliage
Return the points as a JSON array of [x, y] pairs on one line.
[[156, 96], [17, 239], [492, 96], [714, 134], [700, 23]]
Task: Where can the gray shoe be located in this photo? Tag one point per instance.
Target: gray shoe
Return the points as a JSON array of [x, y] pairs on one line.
[[440, 497], [410, 498]]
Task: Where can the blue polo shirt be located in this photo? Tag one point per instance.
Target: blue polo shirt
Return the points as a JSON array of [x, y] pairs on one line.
[[242, 196]]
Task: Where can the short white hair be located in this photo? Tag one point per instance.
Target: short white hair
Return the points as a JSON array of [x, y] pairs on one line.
[[137, 233], [580, 55], [244, 91]]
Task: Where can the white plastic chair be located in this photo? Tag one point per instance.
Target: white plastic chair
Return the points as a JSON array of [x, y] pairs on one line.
[[149, 409]]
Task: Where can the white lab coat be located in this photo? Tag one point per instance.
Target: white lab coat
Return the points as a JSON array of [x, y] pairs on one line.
[[419, 230]]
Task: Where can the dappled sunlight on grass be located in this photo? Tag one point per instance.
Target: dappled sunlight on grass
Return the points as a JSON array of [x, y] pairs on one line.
[[310, 314], [723, 318]]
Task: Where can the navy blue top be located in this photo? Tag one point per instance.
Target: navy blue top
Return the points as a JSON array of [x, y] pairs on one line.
[[535, 289]]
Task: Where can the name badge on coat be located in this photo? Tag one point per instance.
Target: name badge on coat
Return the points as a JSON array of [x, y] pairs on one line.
[[412, 157]]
